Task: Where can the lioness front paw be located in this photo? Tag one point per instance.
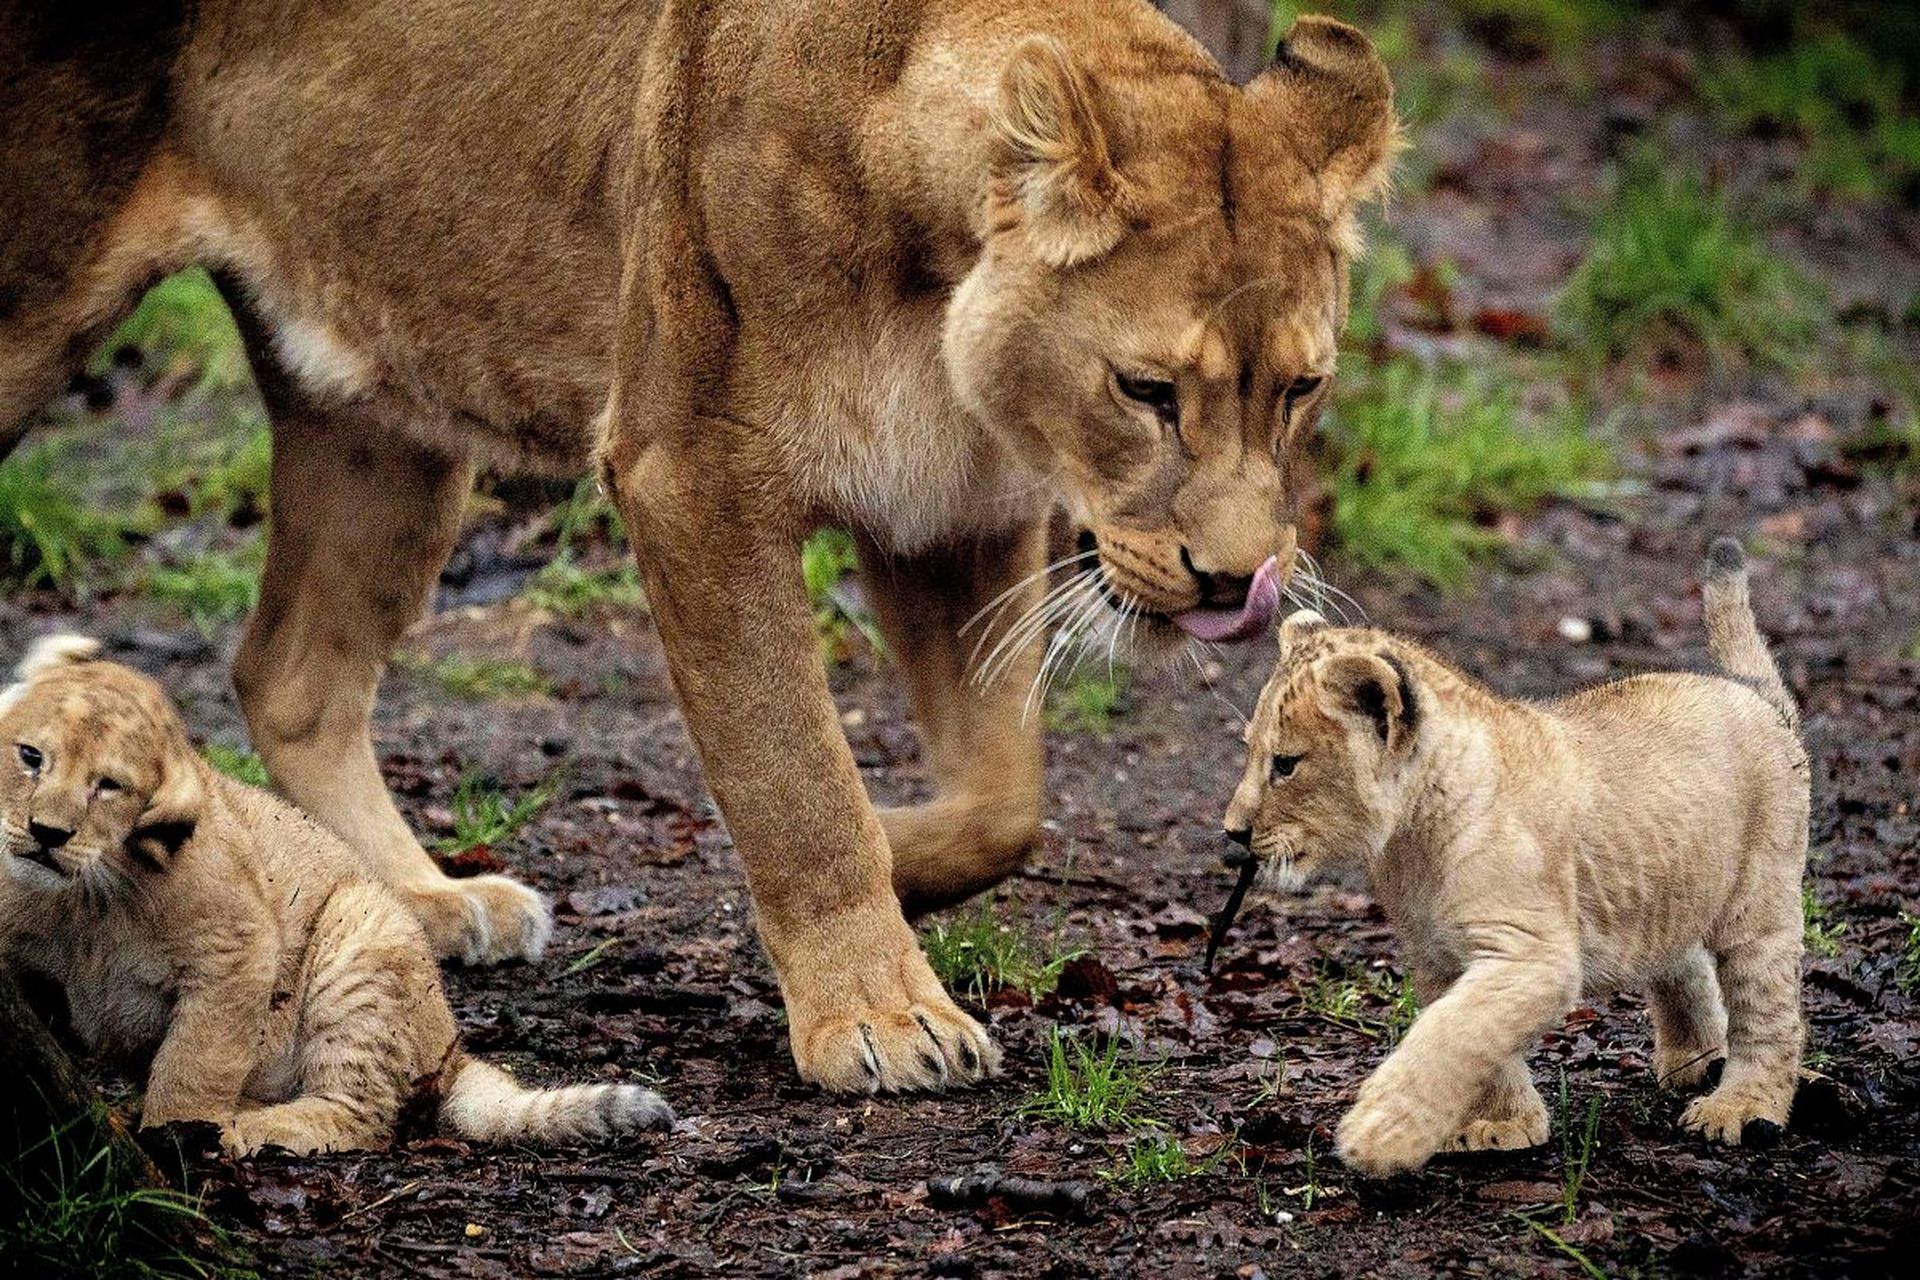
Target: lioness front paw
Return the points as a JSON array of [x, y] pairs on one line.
[[1736, 1115], [1386, 1135], [481, 920]]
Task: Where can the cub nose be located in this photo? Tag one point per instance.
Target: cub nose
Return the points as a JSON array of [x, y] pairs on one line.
[[1218, 590], [1242, 836], [48, 837]]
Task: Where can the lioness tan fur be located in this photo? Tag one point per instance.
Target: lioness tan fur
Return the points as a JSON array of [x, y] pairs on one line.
[[1652, 831], [923, 268], [211, 936]]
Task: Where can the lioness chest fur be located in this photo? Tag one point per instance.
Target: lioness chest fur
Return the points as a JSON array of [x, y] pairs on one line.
[[215, 939], [1650, 832]]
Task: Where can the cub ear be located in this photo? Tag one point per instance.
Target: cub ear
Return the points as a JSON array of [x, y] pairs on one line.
[[1338, 101], [1295, 626], [50, 652], [1053, 173], [1376, 688], [172, 814]]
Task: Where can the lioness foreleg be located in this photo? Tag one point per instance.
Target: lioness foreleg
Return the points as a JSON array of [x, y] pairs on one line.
[[984, 753], [720, 557]]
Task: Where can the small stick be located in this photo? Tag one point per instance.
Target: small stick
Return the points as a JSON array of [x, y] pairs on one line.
[[1040, 1195], [1217, 931]]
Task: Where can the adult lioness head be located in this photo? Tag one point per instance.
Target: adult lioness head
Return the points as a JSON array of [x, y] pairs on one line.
[[1155, 313]]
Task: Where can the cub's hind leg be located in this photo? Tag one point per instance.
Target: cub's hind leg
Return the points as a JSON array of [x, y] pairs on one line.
[[1689, 1021], [373, 1027], [1759, 969]]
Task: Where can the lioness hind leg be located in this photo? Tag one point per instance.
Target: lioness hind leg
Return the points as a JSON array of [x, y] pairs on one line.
[[1689, 1021], [1760, 977], [1510, 1114], [982, 747], [361, 523]]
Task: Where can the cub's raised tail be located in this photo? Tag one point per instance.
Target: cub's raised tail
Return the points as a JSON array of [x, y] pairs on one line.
[[1732, 635], [484, 1103]]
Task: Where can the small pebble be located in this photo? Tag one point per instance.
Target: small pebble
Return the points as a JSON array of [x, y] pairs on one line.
[[1575, 630], [475, 1231]]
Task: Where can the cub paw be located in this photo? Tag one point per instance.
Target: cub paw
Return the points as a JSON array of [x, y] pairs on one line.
[[481, 920], [1734, 1116], [1383, 1136]]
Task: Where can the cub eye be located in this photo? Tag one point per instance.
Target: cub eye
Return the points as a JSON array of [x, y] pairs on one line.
[[1283, 767], [109, 786], [1156, 394], [30, 757], [1302, 387]]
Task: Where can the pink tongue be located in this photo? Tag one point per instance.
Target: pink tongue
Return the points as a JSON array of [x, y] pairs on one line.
[[1249, 620]]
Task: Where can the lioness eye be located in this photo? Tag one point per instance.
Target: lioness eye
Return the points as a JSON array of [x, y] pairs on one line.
[[1155, 393], [1302, 387], [1283, 767], [30, 757]]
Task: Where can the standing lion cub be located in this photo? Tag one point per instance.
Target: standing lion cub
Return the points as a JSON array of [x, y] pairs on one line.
[[211, 934], [1650, 832]]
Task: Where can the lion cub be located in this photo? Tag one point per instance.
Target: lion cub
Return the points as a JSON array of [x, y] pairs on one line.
[[211, 934], [1652, 831]]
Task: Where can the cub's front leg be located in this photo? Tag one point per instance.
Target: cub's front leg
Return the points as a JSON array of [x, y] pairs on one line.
[[219, 1019], [1423, 1096], [720, 557]]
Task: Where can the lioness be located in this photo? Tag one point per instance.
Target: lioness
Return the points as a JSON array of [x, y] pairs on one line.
[[919, 267], [1652, 830], [211, 936]]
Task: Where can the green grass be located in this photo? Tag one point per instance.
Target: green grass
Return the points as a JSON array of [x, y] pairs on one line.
[[477, 679], [588, 515], [1823, 932], [202, 471], [239, 763], [183, 328], [1376, 1004], [82, 1215], [1159, 1157], [1906, 970], [1086, 702], [1835, 96], [213, 587], [483, 814], [1576, 1150], [1093, 1090], [1424, 460], [826, 558], [1671, 266], [975, 951], [565, 588], [49, 535]]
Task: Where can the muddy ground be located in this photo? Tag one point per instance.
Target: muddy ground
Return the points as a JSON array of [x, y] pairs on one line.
[[654, 971]]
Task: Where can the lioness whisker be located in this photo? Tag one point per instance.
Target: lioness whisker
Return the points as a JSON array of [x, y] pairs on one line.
[[1002, 600], [1056, 604]]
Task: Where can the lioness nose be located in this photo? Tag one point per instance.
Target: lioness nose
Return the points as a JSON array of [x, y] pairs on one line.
[[1218, 590], [48, 837]]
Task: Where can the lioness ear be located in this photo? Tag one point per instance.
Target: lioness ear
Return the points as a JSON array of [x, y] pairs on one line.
[[172, 814], [1053, 172], [1377, 688], [1295, 626], [1338, 99]]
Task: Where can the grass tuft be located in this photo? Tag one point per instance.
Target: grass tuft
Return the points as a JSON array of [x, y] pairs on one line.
[[1095, 1090], [1087, 702], [483, 814], [239, 763], [213, 587], [1906, 971], [476, 678], [563, 587], [976, 952], [1823, 932], [184, 329], [1159, 1157], [1671, 266], [49, 536], [1425, 460]]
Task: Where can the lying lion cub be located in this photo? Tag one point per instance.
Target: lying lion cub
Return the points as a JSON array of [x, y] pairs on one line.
[[1652, 832], [211, 933]]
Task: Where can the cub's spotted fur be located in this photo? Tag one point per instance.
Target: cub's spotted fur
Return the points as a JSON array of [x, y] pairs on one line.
[[1650, 832], [211, 935]]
